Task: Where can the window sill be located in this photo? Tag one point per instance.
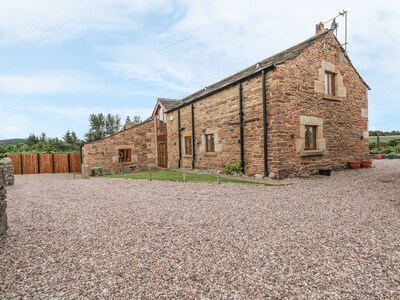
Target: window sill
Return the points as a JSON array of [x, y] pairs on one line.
[[311, 152], [210, 153], [187, 155], [330, 97]]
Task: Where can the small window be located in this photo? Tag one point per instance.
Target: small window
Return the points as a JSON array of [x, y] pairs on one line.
[[210, 142], [124, 155], [310, 138], [330, 83], [188, 145]]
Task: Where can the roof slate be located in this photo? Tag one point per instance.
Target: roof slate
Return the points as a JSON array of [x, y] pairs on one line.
[[169, 103]]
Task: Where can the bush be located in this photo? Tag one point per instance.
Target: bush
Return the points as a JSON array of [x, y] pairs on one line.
[[233, 168], [388, 150], [372, 145], [391, 155], [382, 145], [394, 142]]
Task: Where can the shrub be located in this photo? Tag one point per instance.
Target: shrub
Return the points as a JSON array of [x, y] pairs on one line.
[[233, 168], [388, 150], [372, 145], [394, 142], [382, 145]]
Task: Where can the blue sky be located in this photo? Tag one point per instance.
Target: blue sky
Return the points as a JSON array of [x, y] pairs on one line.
[[61, 60]]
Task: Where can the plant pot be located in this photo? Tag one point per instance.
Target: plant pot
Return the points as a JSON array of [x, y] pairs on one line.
[[366, 163], [354, 164], [378, 156]]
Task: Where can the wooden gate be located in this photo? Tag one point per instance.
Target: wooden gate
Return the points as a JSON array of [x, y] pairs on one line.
[[46, 163]]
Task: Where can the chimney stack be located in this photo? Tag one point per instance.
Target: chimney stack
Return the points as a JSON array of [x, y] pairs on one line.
[[319, 28]]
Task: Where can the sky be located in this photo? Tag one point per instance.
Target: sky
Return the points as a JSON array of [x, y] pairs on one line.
[[61, 60]]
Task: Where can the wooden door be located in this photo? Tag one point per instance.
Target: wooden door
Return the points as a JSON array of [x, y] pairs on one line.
[[162, 154]]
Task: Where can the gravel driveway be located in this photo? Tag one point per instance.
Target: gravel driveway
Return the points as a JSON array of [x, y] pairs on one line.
[[332, 238]]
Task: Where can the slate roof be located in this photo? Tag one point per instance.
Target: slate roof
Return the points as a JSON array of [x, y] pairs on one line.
[[267, 63], [169, 103]]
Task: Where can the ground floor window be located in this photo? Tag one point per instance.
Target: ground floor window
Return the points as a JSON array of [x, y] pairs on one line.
[[210, 143], [310, 137], [124, 155], [188, 145]]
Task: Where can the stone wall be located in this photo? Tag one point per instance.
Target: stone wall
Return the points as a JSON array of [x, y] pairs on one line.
[[104, 153], [219, 114], [295, 98], [6, 172], [6, 179], [3, 207]]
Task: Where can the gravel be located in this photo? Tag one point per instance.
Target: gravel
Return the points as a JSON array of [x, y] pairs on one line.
[[325, 237]]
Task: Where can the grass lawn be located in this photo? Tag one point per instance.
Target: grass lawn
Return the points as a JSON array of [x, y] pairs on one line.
[[383, 138], [170, 175]]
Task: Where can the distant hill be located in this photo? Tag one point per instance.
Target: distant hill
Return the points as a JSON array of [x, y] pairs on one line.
[[11, 142]]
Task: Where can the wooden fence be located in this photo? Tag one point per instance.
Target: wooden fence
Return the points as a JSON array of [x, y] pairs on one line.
[[46, 163]]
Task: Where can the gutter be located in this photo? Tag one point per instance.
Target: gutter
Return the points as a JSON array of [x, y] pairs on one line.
[[179, 140], [193, 141], [265, 124], [241, 122]]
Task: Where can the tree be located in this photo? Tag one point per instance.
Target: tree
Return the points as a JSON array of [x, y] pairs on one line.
[[100, 126], [70, 138], [43, 137], [112, 124], [136, 119], [32, 139]]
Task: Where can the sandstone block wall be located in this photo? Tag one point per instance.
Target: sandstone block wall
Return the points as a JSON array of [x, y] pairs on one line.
[[140, 139], [295, 96]]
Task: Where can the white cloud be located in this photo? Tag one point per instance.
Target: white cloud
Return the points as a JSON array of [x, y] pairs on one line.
[[13, 122], [44, 21], [46, 82]]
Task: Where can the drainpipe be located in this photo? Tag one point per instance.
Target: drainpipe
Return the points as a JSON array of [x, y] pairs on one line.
[[241, 121], [179, 140], [193, 141], [265, 124]]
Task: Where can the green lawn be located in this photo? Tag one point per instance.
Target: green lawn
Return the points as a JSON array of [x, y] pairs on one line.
[[383, 138], [170, 175]]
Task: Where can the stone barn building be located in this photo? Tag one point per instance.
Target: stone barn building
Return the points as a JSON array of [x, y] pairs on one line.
[[291, 114]]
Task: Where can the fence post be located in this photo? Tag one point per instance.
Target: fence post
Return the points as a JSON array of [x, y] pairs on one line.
[[150, 176], [184, 177], [22, 164], [38, 163], [52, 162], [68, 163], [218, 179]]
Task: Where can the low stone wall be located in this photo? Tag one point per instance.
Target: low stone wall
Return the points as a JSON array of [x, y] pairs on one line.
[[6, 179], [6, 172], [3, 207]]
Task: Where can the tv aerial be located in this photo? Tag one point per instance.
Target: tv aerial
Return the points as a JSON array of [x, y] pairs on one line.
[[334, 26]]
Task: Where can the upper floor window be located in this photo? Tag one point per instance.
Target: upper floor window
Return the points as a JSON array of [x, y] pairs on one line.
[[124, 155], [330, 83], [310, 137], [188, 145], [210, 143]]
